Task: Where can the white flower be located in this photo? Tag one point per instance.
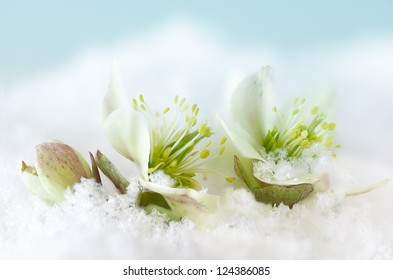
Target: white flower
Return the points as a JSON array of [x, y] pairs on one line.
[[57, 167], [263, 135], [170, 142]]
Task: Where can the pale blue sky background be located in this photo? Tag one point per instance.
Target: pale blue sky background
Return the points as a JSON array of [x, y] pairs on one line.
[[37, 35]]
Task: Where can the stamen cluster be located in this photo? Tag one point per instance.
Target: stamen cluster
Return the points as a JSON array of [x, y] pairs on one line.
[[178, 146], [296, 132]]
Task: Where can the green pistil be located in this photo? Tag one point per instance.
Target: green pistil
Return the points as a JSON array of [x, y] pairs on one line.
[[294, 133]]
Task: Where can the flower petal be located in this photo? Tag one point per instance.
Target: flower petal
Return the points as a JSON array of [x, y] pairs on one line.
[[115, 97], [355, 190], [128, 133], [35, 186], [252, 104], [242, 141], [362, 175]]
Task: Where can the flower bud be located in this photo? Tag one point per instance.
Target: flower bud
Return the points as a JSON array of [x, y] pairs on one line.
[[57, 167]]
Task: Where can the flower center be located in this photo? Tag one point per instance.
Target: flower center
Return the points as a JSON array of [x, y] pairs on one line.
[[177, 145], [296, 132]]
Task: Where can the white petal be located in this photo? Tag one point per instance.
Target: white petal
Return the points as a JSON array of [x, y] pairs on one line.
[[360, 175], [252, 104], [115, 97], [35, 186], [360, 189], [128, 132], [242, 141]]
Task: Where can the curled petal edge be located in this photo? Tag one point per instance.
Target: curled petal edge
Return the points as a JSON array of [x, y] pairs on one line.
[[128, 133]]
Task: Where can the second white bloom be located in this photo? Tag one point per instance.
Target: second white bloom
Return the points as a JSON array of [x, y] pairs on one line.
[[169, 147]]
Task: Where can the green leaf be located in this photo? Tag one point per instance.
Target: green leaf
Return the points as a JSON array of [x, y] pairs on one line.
[[288, 195], [110, 170], [274, 194], [94, 169], [146, 198]]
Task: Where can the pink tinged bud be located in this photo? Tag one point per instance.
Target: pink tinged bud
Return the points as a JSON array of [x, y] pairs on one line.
[[58, 167]]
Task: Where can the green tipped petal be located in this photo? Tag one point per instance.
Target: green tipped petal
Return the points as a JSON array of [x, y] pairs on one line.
[[35, 186], [128, 133], [115, 97], [272, 193], [252, 103]]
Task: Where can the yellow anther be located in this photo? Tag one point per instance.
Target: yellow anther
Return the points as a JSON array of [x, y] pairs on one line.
[[304, 134], [134, 103], [204, 154], [143, 107], [230, 179], [295, 100], [166, 153], [294, 112], [176, 99], [222, 150], [208, 144], [324, 125], [293, 134], [331, 126], [303, 100], [182, 101], [223, 140], [194, 106], [328, 142], [184, 108], [141, 98], [196, 112], [165, 110], [191, 121], [305, 144], [338, 146], [173, 163], [334, 155], [314, 110], [275, 109]]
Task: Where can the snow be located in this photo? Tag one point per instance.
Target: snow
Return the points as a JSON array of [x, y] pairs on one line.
[[65, 104]]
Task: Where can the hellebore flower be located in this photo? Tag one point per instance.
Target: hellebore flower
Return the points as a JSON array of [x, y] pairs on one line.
[[263, 136], [57, 167], [169, 147]]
